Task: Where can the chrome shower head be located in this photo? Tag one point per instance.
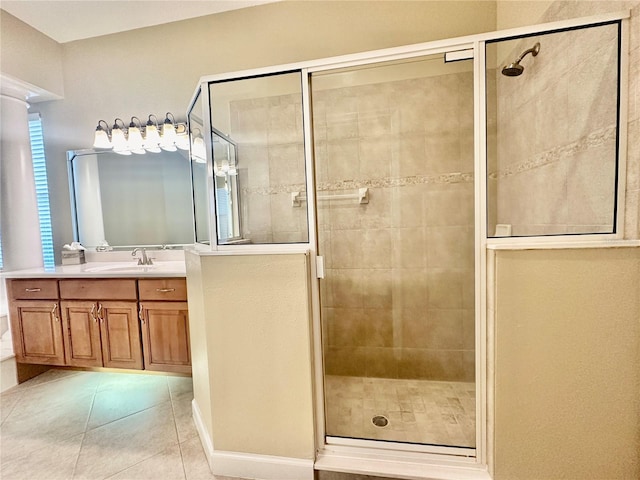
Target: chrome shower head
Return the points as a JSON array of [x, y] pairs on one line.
[[514, 69]]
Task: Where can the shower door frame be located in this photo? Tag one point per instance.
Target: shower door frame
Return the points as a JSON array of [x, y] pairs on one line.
[[336, 449], [396, 458], [471, 50]]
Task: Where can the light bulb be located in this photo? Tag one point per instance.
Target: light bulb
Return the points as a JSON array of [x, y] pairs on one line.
[[101, 139], [198, 150], [135, 140], [152, 138], [182, 141], [118, 139]]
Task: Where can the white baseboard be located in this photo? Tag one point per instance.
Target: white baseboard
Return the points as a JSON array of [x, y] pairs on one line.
[[205, 437], [249, 465], [262, 467]]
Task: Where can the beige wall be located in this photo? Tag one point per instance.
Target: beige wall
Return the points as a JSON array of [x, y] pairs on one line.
[[30, 56], [251, 342], [567, 364], [517, 13], [200, 369]]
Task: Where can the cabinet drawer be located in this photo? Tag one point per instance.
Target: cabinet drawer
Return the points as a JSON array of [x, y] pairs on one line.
[[163, 289], [107, 289], [33, 289]]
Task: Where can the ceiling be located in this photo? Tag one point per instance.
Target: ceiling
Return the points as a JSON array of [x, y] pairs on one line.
[[66, 21]]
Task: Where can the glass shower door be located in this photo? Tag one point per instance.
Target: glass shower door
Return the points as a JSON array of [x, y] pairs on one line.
[[394, 155]]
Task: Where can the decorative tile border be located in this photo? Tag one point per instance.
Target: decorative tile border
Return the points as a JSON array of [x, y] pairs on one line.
[[390, 182], [594, 139]]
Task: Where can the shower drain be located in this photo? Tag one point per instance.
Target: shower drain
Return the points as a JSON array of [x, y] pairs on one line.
[[380, 421]]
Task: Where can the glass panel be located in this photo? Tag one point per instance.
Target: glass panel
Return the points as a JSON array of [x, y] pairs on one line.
[[397, 300], [260, 121], [549, 175], [226, 181], [199, 171]]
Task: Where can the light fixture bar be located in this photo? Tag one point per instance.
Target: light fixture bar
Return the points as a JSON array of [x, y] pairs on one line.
[[139, 138]]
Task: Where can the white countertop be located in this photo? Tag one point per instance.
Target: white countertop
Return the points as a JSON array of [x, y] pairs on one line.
[[171, 268]]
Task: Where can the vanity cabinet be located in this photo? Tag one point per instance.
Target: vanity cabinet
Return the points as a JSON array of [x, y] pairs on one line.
[[132, 323], [100, 323], [165, 324], [35, 321]]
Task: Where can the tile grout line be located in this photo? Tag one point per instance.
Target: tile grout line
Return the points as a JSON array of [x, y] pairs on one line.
[[122, 418], [84, 433], [12, 408], [135, 464], [175, 426], [132, 413]]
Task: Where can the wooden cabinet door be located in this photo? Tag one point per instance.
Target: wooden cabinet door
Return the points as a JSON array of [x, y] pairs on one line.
[[37, 331], [165, 336], [81, 333], [120, 332]]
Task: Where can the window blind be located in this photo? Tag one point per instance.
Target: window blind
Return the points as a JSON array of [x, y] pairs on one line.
[[42, 188]]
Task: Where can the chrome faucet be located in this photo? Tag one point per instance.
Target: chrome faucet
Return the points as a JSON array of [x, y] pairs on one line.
[[144, 260]]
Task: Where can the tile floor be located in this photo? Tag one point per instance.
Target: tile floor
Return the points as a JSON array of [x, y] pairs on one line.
[[68, 425], [419, 411], [72, 425]]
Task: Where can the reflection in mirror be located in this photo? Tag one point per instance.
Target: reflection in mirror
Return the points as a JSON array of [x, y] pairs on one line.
[[127, 201], [225, 162]]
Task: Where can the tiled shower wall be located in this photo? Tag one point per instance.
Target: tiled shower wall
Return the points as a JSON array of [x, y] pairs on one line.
[[561, 10], [398, 297], [271, 166], [552, 160]]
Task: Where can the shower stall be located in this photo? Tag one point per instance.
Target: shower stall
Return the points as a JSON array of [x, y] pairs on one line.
[[394, 170]]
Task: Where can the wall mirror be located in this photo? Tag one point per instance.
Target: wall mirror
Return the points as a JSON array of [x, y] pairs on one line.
[[131, 200]]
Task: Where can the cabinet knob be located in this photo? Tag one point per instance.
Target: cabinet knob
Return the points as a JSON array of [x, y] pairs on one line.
[[165, 290], [140, 314], [92, 313], [32, 290], [53, 312]]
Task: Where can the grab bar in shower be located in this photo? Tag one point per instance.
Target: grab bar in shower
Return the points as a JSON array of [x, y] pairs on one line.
[[362, 196]]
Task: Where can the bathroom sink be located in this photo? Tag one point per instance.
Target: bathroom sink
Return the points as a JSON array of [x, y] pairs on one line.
[[120, 268], [124, 267]]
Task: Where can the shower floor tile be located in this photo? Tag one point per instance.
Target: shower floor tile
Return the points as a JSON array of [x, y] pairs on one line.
[[419, 411]]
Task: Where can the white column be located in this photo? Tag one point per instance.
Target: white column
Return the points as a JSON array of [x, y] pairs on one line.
[[21, 242], [86, 178]]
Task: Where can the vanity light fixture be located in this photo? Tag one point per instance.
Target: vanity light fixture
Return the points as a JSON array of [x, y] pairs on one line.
[[101, 139], [119, 139], [138, 138], [135, 137], [169, 134], [224, 169], [198, 148], [152, 138]]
